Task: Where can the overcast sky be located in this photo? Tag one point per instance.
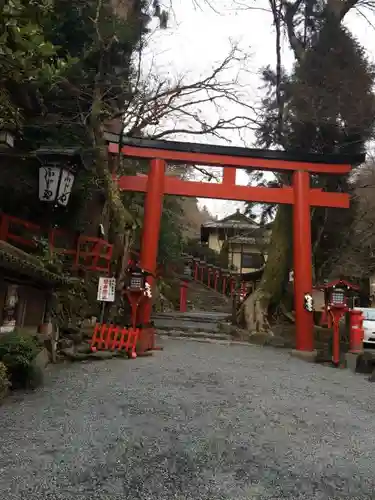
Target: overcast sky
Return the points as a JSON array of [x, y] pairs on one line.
[[199, 37]]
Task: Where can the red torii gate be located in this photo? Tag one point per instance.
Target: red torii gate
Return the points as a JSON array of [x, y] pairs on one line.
[[156, 184]]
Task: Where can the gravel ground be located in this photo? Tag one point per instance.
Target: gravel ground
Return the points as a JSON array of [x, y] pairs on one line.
[[197, 421]]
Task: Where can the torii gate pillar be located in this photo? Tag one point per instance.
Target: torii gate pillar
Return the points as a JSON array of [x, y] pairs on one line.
[[300, 195], [151, 227], [302, 257]]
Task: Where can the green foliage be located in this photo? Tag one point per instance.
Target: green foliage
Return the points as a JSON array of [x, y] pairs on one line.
[[328, 106], [339, 115], [101, 41], [4, 381], [170, 288], [18, 351], [53, 262], [224, 255], [170, 241], [194, 248], [77, 302], [27, 57], [335, 117], [63, 72]]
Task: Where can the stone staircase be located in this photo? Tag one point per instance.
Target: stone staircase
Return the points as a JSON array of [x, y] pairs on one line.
[[207, 317], [202, 298]]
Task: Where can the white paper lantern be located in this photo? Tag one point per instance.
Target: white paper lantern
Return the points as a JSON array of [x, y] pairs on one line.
[[6, 139], [55, 184]]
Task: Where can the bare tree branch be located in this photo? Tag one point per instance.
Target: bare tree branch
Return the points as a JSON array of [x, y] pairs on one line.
[[156, 103]]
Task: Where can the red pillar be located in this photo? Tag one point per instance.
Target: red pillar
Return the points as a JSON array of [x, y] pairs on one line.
[[216, 279], [224, 291], [209, 269], [229, 176], [151, 225], [183, 296], [196, 270], [302, 260], [232, 285]]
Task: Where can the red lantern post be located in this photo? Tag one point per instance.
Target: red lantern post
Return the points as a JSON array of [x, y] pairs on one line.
[[216, 278], [232, 285], [224, 283], [209, 274], [196, 269], [183, 296], [202, 268], [337, 304]]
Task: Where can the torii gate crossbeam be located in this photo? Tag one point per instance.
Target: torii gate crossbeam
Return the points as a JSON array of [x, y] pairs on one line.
[[156, 184]]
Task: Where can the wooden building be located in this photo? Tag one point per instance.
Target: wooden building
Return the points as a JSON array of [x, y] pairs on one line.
[[244, 240], [26, 288]]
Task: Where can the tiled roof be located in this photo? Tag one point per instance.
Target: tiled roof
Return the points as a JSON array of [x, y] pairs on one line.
[[236, 224], [19, 262], [250, 240]]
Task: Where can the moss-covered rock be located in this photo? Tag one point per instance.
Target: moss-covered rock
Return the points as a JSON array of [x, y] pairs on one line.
[[4, 381], [169, 294], [18, 352]]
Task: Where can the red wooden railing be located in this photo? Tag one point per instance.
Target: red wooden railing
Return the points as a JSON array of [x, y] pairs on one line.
[[84, 252], [221, 280], [63, 242], [93, 254], [19, 232]]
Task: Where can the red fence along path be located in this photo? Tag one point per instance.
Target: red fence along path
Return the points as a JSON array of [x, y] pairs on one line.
[[111, 337], [86, 252]]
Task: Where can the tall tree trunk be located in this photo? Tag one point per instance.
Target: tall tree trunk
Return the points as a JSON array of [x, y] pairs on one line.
[[255, 309], [254, 312]]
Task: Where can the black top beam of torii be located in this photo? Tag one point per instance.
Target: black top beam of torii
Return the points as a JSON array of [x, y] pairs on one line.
[[240, 152]]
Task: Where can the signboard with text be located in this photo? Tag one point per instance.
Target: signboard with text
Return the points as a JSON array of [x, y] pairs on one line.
[[106, 289]]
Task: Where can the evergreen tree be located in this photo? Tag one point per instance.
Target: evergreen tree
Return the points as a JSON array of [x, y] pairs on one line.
[[326, 105]]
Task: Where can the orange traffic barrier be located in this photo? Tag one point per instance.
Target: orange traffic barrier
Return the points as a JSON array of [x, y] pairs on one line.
[[112, 337]]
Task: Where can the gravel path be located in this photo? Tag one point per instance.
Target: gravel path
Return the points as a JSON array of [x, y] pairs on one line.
[[197, 421]]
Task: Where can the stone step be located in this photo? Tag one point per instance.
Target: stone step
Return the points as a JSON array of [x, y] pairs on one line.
[[201, 316], [208, 295], [218, 309], [190, 321], [208, 340], [186, 326], [194, 335], [203, 298], [205, 305]]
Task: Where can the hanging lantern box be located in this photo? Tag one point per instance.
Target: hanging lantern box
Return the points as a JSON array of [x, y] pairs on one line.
[[137, 281], [58, 167]]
